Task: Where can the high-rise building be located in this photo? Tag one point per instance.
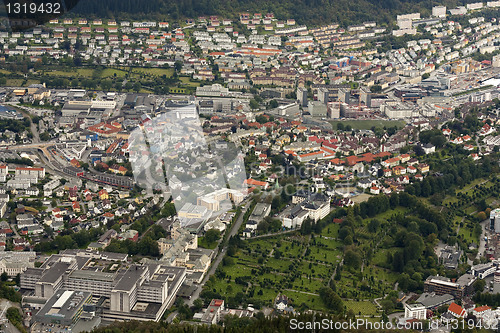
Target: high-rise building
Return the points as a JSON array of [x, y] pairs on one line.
[[496, 61], [439, 11], [365, 97], [323, 95], [344, 95], [333, 110], [302, 96], [495, 220]]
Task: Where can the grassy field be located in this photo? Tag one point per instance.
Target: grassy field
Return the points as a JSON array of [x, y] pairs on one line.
[[203, 243], [368, 124], [14, 82], [363, 308], [110, 72], [154, 71], [186, 80], [278, 264], [80, 72], [30, 82], [175, 90], [470, 188], [467, 234]]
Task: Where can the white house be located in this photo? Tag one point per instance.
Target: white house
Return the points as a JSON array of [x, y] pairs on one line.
[[429, 148], [415, 311]]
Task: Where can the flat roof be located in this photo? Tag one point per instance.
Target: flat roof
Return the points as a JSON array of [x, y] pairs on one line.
[[63, 299], [129, 279], [55, 272], [92, 275], [63, 304], [448, 283]]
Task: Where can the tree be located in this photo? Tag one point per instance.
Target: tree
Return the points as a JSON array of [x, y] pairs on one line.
[[352, 259], [254, 105], [14, 316], [479, 285], [45, 136], [137, 87], [129, 85], [198, 304], [273, 104], [212, 236], [373, 225], [331, 299], [419, 150], [481, 216], [4, 277], [107, 84]]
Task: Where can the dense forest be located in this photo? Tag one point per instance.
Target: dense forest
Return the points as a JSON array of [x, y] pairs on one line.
[[304, 11]]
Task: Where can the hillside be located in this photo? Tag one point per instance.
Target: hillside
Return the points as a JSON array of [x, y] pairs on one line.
[[304, 11]]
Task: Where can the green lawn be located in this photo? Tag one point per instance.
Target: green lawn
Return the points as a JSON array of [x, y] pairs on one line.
[[80, 72], [203, 243], [30, 82], [186, 80], [380, 256], [300, 276], [365, 308], [110, 72], [154, 71], [467, 234], [368, 124], [468, 189], [331, 230], [14, 82], [311, 301]]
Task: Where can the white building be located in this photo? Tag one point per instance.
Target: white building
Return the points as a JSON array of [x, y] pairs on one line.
[[496, 60], [213, 90], [474, 6], [36, 172], [439, 11], [415, 311], [14, 263], [396, 110]]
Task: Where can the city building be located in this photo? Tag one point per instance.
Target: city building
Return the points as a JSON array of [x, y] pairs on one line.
[[302, 96], [63, 308], [415, 311], [141, 292], [441, 285], [439, 11]]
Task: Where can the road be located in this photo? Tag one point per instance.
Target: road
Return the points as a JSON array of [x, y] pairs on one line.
[[273, 234], [34, 129], [482, 243], [7, 326]]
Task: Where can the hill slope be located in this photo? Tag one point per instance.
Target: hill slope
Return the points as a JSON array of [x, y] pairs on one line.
[[304, 11]]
